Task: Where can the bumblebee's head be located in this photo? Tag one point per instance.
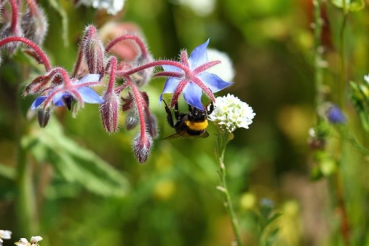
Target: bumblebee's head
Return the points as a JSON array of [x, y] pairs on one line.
[[197, 115]]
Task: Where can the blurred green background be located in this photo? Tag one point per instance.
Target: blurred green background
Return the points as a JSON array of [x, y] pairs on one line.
[[172, 199]]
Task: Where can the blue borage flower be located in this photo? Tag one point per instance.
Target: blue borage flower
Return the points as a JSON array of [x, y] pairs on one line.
[[194, 80], [79, 90]]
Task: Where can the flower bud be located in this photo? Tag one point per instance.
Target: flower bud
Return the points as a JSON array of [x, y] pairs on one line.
[[34, 25], [152, 126], [131, 120], [143, 76], [141, 146], [109, 112], [43, 116], [93, 51]]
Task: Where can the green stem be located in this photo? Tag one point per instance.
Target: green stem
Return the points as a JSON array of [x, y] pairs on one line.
[[342, 92], [222, 140], [318, 76], [26, 208]]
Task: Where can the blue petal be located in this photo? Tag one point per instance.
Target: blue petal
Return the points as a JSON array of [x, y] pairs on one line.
[[192, 94], [89, 95], [214, 82], [91, 77], [171, 69], [58, 98], [169, 87], [199, 55], [37, 102]]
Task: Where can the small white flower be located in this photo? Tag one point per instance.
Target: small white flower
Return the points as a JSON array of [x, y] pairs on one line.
[[111, 6], [4, 234], [225, 69], [366, 78], [36, 239], [33, 242], [231, 113], [23, 242]]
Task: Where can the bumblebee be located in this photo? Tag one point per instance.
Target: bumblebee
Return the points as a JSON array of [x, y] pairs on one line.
[[192, 124]]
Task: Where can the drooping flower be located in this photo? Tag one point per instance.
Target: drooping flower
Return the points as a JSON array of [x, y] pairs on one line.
[[4, 234], [231, 113], [63, 95], [192, 79]]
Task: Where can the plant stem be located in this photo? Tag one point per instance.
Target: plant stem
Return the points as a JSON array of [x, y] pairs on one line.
[[318, 75], [26, 208], [222, 140]]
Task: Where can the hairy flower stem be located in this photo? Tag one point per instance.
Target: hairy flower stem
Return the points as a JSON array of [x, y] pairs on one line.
[[135, 38], [41, 55], [221, 143]]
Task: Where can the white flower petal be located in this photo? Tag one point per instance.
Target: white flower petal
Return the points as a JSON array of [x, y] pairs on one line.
[[5, 234], [35, 239]]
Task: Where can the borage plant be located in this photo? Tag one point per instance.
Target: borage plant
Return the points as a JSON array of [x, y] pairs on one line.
[[95, 66]]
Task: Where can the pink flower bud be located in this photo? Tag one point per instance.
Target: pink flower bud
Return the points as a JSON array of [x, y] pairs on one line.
[[109, 112], [93, 51], [141, 146]]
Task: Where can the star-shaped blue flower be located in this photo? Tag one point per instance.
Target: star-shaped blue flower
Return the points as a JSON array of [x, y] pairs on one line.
[[191, 79], [61, 95]]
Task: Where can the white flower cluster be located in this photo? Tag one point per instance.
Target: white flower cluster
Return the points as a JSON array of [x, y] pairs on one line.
[[4, 234], [33, 242], [111, 6], [231, 113]]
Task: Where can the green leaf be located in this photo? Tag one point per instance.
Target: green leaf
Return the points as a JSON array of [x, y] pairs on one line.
[[64, 20], [7, 172], [349, 5], [74, 163]]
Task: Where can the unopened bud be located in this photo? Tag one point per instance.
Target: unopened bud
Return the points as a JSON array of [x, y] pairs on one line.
[[152, 126], [109, 112], [34, 25], [43, 116], [6, 31], [93, 51], [131, 120], [141, 146], [142, 77]]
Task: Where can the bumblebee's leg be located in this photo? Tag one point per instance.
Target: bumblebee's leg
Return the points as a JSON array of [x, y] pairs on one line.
[[210, 108], [176, 112], [169, 115]]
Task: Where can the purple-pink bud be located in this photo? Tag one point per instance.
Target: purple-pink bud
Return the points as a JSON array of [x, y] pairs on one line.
[[93, 51], [141, 146], [109, 112]]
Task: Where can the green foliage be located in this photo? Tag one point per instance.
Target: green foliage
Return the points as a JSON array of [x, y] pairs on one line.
[[74, 163]]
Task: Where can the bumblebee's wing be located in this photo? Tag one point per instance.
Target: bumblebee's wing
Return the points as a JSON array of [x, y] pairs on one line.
[[186, 135], [204, 135], [175, 135]]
